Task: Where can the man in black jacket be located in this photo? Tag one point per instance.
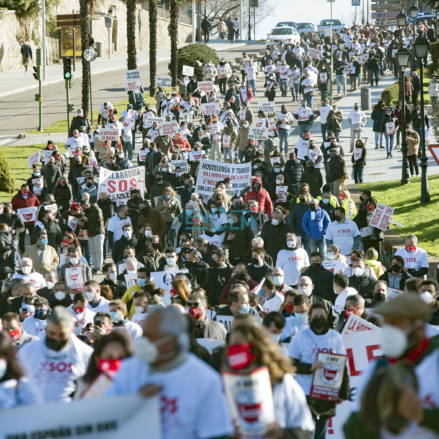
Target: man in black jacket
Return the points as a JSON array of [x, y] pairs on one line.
[[128, 239], [118, 287], [12, 219], [337, 174], [360, 280], [294, 170], [51, 173], [258, 269], [274, 234], [54, 233], [75, 172], [151, 257], [217, 277], [322, 278], [196, 267], [24, 304], [7, 252], [26, 54], [206, 27]]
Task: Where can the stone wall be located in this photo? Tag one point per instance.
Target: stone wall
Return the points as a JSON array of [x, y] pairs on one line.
[[15, 31]]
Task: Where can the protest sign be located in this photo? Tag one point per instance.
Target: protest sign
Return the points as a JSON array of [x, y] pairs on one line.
[[274, 160], [120, 268], [281, 192], [130, 279], [148, 120], [211, 172], [38, 185], [132, 75], [164, 81], [133, 85], [112, 418], [181, 164], [225, 320], [72, 222], [393, 292], [107, 134], [168, 128], [210, 108], [333, 266], [52, 208], [74, 278], [45, 154], [28, 214], [195, 155], [323, 78], [211, 344], [357, 324], [258, 133], [250, 400], [188, 71], [314, 53], [142, 155], [381, 217], [326, 381], [267, 106], [163, 279], [33, 159], [118, 184], [205, 86]]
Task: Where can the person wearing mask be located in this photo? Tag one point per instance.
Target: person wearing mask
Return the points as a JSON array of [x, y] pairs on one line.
[[342, 291], [296, 217], [294, 170], [151, 256], [28, 274], [261, 196], [76, 171], [305, 357], [334, 122], [415, 258], [62, 194], [96, 302], [315, 223], [378, 113], [360, 280], [80, 311], [169, 206], [284, 123], [74, 261], [258, 269], [44, 257], [51, 174], [358, 159], [116, 224], [238, 303], [239, 276], [237, 238], [412, 138], [13, 326], [36, 324], [371, 236], [389, 124], [395, 276], [305, 116], [312, 176], [373, 64], [242, 139], [320, 277], [105, 111], [337, 172], [357, 120], [327, 201], [403, 339], [297, 319], [216, 277], [340, 73], [150, 215], [118, 287], [118, 311]]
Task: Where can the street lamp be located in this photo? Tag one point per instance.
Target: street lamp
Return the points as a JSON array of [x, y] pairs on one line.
[[420, 47], [402, 58], [414, 11], [400, 19]]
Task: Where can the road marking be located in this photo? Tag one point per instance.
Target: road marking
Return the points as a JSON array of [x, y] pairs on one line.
[[3, 142]]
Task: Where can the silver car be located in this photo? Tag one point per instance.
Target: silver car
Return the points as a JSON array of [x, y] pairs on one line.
[[305, 29], [337, 26]]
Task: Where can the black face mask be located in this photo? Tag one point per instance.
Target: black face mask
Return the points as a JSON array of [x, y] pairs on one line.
[[255, 261], [315, 266], [55, 345], [28, 300], [313, 207], [240, 276], [257, 187], [396, 268], [302, 200], [318, 322], [145, 210], [379, 297], [155, 245], [310, 168], [337, 217]]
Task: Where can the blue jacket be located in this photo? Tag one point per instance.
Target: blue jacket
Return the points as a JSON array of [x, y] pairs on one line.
[[316, 228]]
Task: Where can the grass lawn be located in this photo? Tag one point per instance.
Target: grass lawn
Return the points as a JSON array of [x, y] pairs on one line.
[[16, 157], [418, 219]]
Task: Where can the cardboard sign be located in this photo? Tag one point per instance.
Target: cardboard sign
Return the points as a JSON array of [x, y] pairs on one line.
[[163, 279], [74, 278], [118, 184], [132, 75], [107, 134], [164, 81], [357, 324], [274, 160], [130, 279], [333, 266], [281, 192], [169, 128], [188, 71], [381, 217], [258, 133], [205, 86], [250, 399], [28, 214], [183, 164], [225, 320], [393, 292], [209, 109], [314, 53], [33, 159], [195, 155], [45, 154], [133, 85], [142, 155], [267, 106], [390, 128], [327, 380]]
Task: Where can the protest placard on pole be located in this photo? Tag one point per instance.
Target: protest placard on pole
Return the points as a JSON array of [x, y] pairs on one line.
[[132, 75], [210, 108], [132, 85], [182, 164], [168, 128], [107, 134], [45, 154], [205, 86], [258, 133], [118, 184], [211, 172], [267, 106], [188, 71], [381, 217], [164, 81], [357, 324], [28, 214], [33, 159]]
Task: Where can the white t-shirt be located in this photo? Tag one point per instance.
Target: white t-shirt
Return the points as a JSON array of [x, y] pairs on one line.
[[348, 271], [292, 261], [287, 116], [292, 327], [83, 318], [105, 112], [115, 225], [343, 234], [340, 301], [133, 328], [302, 147], [34, 278], [54, 373], [34, 326], [305, 347], [139, 318], [417, 259], [324, 111], [215, 239], [188, 410], [274, 303], [103, 306]]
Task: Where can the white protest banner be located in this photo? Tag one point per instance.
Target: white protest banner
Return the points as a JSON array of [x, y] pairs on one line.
[[163, 279], [107, 134], [333, 266], [327, 380], [142, 155], [205, 86], [164, 81], [45, 154], [267, 106], [74, 278], [33, 159], [357, 324], [274, 160], [225, 320], [112, 418], [168, 128], [314, 53], [258, 133], [130, 279], [381, 217], [52, 208], [118, 184], [38, 185], [132, 75], [211, 344], [323, 78], [195, 155], [211, 172], [250, 399], [188, 71], [393, 292], [211, 108], [150, 120], [133, 85], [181, 164], [28, 214], [281, 192]]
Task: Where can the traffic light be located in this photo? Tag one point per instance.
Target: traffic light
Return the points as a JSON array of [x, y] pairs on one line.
[[67, 63], [37, 73], [327, 53]]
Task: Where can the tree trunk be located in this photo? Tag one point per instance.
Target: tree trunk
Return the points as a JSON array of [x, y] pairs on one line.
[[131, 35], [85, 64], [152, 8], [173, 34]]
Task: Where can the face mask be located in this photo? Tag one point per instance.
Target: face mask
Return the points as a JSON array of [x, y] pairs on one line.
[[305, 290], [109, 367], [116, 316], [312, 206], [146, 351], [394, 341], [44, 242], [275, 222], [15, 335], [274, 338], [257, 187], [277, 170], [196, 313], [318, 322], [357, 271], [379, 297], [141, 282], [245, 309], [337, 218], [342, 197], [278, 280], [330, 255], [59, 295], [74, 261], [130, 271], [289, 308], [170, 261], [302, 317], [291, 244], [112, 276], [325, 201], [138, 309], [3, 367], [90, 296], [127, 234], [349, 312], [315, 266], [78, 310], [356, 107], [408, 248], [40, 313], [239, 356], [55, 345], [396, 268]]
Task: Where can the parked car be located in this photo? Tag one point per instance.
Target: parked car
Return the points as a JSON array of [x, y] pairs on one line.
[[421, 19], [305, 29], [287, 24], [287, 34], [337, 26]]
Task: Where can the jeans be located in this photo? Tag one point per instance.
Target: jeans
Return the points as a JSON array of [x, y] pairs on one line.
[[241, 155], [371, 73], [413, 162], [354, 134], [380, 135], [337, 135], [85, 250], [128, 150], [283, 87], [294, 90], [96, 248], [389, 143], [228, 152], [283, 139], [358, 174], [252, 85], [321, 426], [323, 130], [303, 127], [215, 152], [222, 85], [309, 99], [324, 94], [341, 79], [318, 244], [176, 114]]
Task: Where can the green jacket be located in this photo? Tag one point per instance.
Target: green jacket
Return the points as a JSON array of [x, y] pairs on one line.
[[169, 213]]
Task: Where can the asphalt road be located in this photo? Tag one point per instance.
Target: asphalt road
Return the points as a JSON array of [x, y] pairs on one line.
[[19, 113]]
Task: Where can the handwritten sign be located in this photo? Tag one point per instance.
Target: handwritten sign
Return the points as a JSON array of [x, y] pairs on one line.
[[188, 71], [183, 164], [205, 86], [33, 159], [163, 81], [267, 106], [168, 128], [107, 134], [382, 216], [46, 153], [132, 75], [357, 324], [133, 85], [333, 266], [258, 133], [210, 108]]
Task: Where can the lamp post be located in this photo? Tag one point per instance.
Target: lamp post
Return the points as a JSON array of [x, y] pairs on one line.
[[401, 20], [420, 47], [402, 58], [414, 11]]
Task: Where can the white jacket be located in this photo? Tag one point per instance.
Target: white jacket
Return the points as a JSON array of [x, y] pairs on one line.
[[433, 89]]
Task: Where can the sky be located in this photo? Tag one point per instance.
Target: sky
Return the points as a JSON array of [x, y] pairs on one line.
[[309, 11]]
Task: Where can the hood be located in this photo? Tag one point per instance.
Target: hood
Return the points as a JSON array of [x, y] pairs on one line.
[[257, 180]]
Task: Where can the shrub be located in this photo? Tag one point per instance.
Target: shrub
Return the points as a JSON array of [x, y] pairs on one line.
[[190, 54], [434, 51], [6, 181], [390, 94]]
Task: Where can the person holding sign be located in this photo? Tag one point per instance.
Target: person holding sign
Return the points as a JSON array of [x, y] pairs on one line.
[[359, 161], [228, 139], [357, 120], [284, 123], [389, 124], [224, 71]]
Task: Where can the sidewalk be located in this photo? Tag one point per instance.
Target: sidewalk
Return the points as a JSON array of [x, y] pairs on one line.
[[17, 81]]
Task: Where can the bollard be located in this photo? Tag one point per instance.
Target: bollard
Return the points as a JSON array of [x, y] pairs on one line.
[[365, 99]]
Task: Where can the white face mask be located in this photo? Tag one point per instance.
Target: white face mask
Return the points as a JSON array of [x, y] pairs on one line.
[[274, 338], [26, 269], [90, 296], [59, 295], [138, 309], [148, 233], [74, 261], [131, 271], [357, 271], [49, 284], [146, 351], [275, 222], [305, 290], [394, 341], [112, 276], [291, 244]]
